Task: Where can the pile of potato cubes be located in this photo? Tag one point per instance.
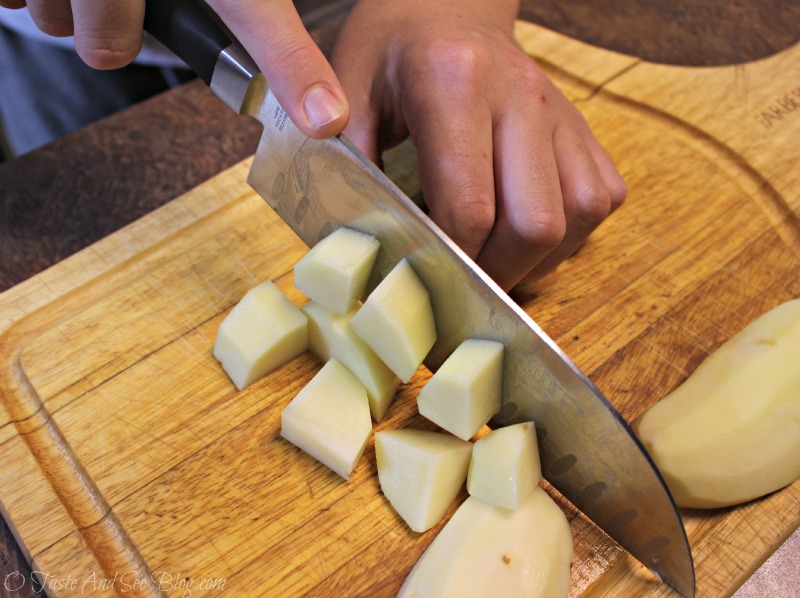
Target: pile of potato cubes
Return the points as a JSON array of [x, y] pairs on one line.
[[369, 349]]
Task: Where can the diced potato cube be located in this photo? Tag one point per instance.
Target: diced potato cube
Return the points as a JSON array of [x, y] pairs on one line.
[[331, 337], [335, 272], [396, 321], [329, 419], [505, 466], [487, 551], [263, 331], [421, 472], [466, 391]]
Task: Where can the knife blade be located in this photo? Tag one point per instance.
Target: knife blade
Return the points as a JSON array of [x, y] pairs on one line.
[[588, 451]]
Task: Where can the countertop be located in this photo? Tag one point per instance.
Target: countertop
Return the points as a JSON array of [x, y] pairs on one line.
[[78, 189]]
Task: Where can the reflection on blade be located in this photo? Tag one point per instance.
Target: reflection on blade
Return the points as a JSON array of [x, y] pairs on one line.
[[588, 452]]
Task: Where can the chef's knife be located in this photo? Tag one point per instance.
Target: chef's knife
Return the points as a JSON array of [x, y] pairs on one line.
[[588, 452]]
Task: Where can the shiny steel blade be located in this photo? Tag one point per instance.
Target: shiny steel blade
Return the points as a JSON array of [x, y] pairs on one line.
[[588, 452]]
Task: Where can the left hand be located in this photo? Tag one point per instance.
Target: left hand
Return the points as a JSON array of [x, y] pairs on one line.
[[508, 166]]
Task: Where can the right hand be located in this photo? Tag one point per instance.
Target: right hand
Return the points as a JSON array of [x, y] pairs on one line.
[[108, 35]]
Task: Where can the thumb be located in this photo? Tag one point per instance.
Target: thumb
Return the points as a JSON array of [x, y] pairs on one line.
[[296, 70]]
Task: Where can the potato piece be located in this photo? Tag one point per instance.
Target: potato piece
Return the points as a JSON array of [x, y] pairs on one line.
[[421, 472], [731, 432], [505, 466], [263, 331], [329, 418], [396, 321], [487, 551], [466, 390], [335, 272], [330, 337]]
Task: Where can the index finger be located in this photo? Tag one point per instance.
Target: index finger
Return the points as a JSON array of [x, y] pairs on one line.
[[452, 129], [294, 66], [53, 17], [455, 161]]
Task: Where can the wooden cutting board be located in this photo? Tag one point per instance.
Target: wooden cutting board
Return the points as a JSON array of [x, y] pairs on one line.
[[127, 457]]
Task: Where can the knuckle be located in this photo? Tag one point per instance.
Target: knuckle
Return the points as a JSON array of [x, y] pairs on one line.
[[54, 27], [618, 193], [290, 53], [472, 216], [544, 229], [477, 217], [106, 51], [529, 79], [593, 204], [460, 60]]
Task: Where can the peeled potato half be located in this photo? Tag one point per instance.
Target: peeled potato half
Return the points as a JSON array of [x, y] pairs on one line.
[[731, 432]]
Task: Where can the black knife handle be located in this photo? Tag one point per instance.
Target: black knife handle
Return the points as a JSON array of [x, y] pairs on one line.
[[188, 29]]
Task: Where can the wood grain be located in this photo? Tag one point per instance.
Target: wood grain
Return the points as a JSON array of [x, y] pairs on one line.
[[75, 191], [86, 185], [681, 32], [133, 455]]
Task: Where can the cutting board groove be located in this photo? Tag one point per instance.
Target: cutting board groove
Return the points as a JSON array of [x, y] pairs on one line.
[[125, 453], [753, 183]]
